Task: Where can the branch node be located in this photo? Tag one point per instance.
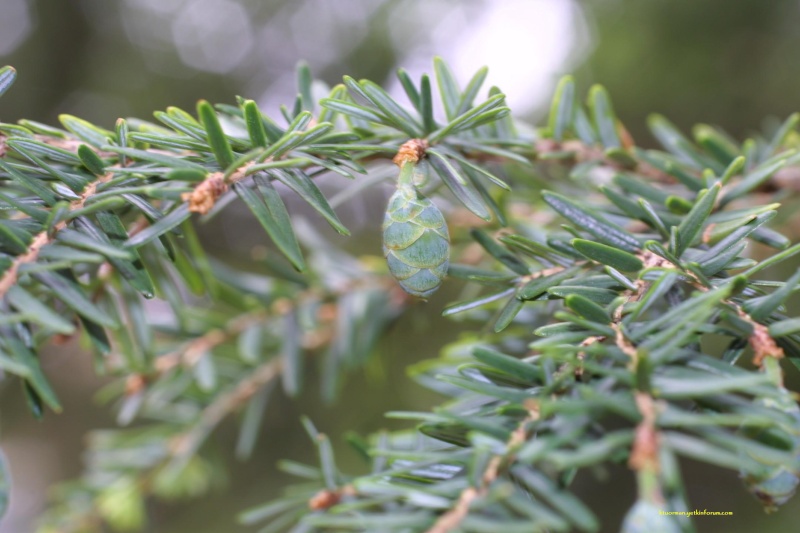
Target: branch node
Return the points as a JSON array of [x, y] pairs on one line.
[[205, 195]]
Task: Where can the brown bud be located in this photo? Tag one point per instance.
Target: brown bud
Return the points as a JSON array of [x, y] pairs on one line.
[[134, 384], [205, 195], [324, 499], [411, 151]]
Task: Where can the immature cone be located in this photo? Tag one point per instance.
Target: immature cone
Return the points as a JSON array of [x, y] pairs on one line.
[[416, 243], [646, 517], [779, 481]]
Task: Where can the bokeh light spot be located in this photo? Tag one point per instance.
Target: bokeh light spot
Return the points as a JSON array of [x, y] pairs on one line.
[[15, 24], [213, 35]]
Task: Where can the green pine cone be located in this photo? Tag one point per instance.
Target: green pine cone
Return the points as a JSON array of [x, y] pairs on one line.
[[416, 243]]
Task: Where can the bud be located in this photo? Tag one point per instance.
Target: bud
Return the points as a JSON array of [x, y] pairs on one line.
[[416, 243]]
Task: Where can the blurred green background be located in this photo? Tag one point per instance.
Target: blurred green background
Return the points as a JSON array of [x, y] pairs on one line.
[[722, 62]]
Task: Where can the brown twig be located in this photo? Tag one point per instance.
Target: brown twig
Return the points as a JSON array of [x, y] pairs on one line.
[[185, 444], [45, 237], [644, 458], [452, 518], [644, 454], [582, 152], [190, 352], [760, 340], [581, 356], [542, 273]]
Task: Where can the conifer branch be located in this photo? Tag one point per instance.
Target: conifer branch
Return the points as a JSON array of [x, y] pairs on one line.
[[623, 269]]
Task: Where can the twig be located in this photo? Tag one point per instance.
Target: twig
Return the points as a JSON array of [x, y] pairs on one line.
[[185, 444], [452, 518], [644, 457], [761, 341], [45, 237], [193, 350]]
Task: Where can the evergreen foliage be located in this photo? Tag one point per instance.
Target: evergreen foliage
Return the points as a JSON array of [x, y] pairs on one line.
[[630, 319]]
